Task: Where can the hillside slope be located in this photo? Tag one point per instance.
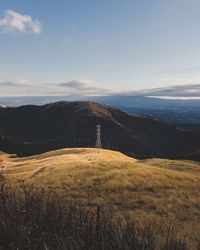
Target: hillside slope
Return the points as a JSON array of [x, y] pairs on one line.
[[31, 129], [154, 187]]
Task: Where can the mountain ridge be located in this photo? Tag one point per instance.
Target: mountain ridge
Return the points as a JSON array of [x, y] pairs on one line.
[[35, 129]]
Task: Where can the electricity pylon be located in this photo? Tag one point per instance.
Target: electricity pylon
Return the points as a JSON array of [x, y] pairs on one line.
[[98, 137]]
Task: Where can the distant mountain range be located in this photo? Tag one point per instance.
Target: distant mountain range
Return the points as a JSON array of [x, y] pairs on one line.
[[184, 113], [31, 129], [113, 100]]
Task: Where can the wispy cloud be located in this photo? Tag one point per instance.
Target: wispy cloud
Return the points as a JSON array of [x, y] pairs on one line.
[[90, 88], [75, 87], [189, 90], [94, 43], [105, 65], [73, 27], [86, 87], [17, 83], [66, 40], [16, 22]]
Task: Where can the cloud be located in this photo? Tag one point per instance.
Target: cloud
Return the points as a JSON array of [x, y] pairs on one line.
[[89, 88], [16, 22], [8, 84], [86, 87], [73, 27], [189, 90], [66, 40], [94, 43], [105, 65], [75, 87], [17, 83]]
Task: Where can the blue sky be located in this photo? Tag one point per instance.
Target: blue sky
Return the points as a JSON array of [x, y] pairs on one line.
[[98, 46]]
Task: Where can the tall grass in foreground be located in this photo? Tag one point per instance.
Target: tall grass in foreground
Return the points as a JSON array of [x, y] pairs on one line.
[[35, 218]]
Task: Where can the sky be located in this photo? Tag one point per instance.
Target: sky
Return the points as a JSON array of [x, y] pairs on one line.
[[100, 47]]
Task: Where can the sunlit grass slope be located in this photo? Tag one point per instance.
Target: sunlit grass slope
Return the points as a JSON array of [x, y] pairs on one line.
[[157, 187]]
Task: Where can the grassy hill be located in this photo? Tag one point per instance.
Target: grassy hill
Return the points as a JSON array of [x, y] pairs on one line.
[[160, 188]]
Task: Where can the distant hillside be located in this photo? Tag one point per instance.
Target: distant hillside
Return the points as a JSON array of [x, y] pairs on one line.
[[184, 113], [33, 129]]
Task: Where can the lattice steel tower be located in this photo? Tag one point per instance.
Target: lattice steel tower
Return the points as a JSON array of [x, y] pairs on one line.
[[98, 137]]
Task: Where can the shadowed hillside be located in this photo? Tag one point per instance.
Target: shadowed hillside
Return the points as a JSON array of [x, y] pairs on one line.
[[32, 129]]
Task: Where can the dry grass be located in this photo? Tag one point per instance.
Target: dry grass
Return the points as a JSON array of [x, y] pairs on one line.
[[160, 188], [178, 165]]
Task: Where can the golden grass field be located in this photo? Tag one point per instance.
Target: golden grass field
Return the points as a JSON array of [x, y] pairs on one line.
[[155, 187]]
